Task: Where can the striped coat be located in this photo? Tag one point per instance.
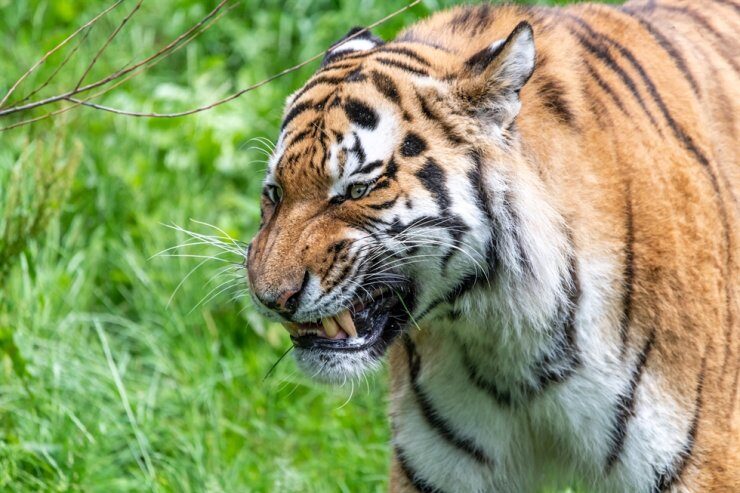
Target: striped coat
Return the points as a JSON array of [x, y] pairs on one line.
[[534, 211]]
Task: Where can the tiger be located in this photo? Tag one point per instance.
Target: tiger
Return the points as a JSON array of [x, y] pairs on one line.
[[531, 214]]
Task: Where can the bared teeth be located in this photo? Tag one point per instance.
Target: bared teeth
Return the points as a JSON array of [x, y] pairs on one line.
[[330, 327], [347, 324]]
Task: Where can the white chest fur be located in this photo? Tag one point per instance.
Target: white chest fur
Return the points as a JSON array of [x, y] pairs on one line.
[[481, 409]]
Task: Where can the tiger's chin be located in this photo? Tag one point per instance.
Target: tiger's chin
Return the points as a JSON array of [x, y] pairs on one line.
[[345, 346]]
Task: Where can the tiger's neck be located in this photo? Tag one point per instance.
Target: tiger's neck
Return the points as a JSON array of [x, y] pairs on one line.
[[513, 325]]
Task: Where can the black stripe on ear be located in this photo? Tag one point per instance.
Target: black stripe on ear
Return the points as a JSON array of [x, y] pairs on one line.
[[345, 45], [481, 60], [478, 62]]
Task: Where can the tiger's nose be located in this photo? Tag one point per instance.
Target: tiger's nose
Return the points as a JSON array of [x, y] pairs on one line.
[[286, 300]]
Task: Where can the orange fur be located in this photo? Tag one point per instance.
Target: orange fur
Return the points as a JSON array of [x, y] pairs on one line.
[[649, 173]]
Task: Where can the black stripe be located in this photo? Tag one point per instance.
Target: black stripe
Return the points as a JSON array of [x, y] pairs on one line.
[[412, 145], [360, 113], [463, 287], [461, 19], [357, 148], [295, 111], [430, 114], [381, 184], [628, 272], [432, 416], [524, 261], [355, 76], [552, 94], [372, 165], [420, 484], [397, 227], [603, 54], [336, 66], [483, 19], [391, 169], [432, 177], [300, 137], [468, 283], [344, 55], [502, 397], [475, 176], [555, 367], [626, 406], [483, 201], [457, 228], [605, 87], [385, 85], [722, 41], [730, 3], [668, 478], [667, 46], [355, 54], [479, 61], [384, 205], [680, 135], [405, 51], [320, 80], [402, 66], [561, 363]]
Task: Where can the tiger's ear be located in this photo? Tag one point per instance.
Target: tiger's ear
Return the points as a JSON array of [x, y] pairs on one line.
[[493, 77], [362, 40]]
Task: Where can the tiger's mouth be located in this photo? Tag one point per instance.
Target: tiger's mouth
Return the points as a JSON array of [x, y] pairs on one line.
[[371, 322]]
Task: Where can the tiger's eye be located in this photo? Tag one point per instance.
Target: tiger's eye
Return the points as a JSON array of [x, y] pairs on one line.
[[357, 190], [274, 193]]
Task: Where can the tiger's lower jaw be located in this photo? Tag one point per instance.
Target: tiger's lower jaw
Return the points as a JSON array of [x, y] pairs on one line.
[[339, 360]]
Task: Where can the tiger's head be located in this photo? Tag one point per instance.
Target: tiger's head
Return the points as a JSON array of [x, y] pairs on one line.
[[379, 208]]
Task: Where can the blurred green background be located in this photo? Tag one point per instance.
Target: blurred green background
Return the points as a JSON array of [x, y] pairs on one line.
[[106, 385]]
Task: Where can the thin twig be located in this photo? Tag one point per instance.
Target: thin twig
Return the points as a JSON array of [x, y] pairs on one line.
[[123, 80], [75, 101], [241, 91], [115, 32], [274, 365], [120, 73], [60, 67], [133, 74], [54, 50]]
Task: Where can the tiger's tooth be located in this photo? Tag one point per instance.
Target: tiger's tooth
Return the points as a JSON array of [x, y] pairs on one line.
[[330, 326], [347, 324]]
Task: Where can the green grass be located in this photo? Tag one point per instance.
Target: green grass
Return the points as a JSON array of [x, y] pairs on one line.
[[104, 384]]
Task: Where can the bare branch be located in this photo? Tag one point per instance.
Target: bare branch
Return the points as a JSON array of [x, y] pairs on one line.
[[54, 50], [155, 58], [66, 60], [120, 73], [120, 81], [115, 32]]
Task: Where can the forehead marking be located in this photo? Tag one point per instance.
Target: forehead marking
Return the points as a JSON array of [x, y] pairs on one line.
[[360, 113]]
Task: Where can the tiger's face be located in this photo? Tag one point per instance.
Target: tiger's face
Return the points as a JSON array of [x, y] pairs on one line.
[[375, 208]]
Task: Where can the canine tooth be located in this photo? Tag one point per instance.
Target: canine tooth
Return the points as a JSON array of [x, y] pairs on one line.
[[347, 324], [330, 326]]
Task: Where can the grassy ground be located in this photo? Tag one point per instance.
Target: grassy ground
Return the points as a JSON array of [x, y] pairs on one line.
[[108, 382]]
